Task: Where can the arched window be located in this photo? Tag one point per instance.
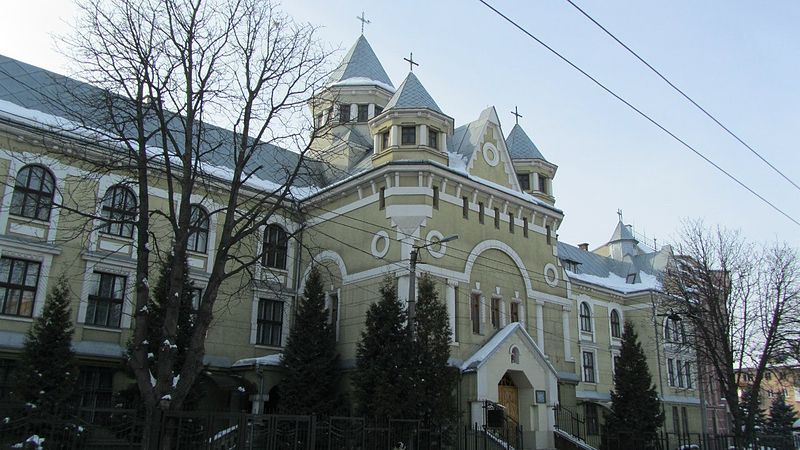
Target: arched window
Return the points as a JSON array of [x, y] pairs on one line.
[[615, 330], [275, 246], [119, 211], [198, 230], [514, 355], [586, 317], [33, 193]]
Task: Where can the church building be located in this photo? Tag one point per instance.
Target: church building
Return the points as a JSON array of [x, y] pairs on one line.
[[536, 323]]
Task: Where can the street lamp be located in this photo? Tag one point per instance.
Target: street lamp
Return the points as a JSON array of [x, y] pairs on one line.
[[412, 282]]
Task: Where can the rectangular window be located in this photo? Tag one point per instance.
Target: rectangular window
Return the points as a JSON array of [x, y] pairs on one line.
[[435, 197], [344, 113], [588, 367], [320, 122], [495, 312], [514, 312], [475, 312], [524, 181], [688, 375], [333, 306], [18, 282], [7, 382], [676, 424], [685, 418], [105, 306], [269, 323], [433, 138], [510, 223], [363, 113], [382, 199], [408, 135], [378, 109], [197, 295], [95, 390], [671, 371], [525, 226], [455, 314], [497, 218], [385, 140], [592, 420], [679, 375], [549, 235], [481, 213], [465, 207]]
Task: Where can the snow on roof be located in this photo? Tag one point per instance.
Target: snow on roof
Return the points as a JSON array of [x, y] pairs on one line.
[[484, 352], [267, 360], [362, 81], [618, 283], [458, 163]]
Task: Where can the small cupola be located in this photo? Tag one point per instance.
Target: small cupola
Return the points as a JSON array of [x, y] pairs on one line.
[[534, 173], [411, 127], [622, 243]]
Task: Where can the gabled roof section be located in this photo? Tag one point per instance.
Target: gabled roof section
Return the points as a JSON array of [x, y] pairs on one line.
[[490, 348], [412, 95], [622, 233], [361, 66], [520, 146], [639, 274]]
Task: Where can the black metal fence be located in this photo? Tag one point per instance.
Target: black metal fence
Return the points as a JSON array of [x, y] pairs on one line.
[[124, 429]]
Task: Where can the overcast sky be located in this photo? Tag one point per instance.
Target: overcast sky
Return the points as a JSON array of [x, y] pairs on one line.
[[738, 59]]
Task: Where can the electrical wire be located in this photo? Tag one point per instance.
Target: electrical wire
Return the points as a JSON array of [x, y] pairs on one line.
[[643, 114], [686, 96]]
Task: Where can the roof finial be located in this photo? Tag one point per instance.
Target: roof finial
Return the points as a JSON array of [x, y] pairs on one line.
[[516, 115], [619, 213], [411, 62], [364, 21]]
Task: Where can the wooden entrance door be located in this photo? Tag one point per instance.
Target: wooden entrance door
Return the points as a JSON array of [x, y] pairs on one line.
[[509, 397]]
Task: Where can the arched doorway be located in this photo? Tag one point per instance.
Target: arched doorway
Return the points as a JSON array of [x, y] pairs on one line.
[[508, 396]]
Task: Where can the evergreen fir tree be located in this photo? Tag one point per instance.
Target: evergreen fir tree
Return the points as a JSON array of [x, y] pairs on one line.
[[310, 358], [434, 380], [382, 382], [781, 417], [751, 410], [47, 374], [636, 412]]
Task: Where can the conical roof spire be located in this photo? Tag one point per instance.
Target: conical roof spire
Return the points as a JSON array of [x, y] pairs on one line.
[[622, 233], [410, 95], [520, 146], [361, 67]]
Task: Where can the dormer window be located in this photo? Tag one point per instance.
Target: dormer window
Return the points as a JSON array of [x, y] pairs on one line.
[[433, 138], [378, 109], [363, 113], [408, 135], [524, 181], [631, 278], [571, 265]]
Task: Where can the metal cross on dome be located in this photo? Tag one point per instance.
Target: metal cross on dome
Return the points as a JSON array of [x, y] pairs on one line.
[[364, 21], [516, 115], [619, 213], [410, 60]]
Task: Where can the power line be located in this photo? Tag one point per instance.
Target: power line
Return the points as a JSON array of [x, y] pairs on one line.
[[641, 113], [686, 96]]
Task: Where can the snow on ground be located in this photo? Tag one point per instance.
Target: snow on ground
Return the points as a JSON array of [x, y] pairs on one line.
[[268, 360]]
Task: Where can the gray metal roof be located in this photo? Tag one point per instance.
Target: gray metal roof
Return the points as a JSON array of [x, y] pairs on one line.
[[520, 146], [594, 264], [410, 95], [87, 106], [361, 62], [466, 138], [622, 233]]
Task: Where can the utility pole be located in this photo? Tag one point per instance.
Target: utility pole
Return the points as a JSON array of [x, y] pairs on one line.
[[412, 282]]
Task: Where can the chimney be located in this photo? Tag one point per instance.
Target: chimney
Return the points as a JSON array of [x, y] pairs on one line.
[[584, 246]]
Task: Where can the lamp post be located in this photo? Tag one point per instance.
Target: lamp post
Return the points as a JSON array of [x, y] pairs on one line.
[[412, 282]]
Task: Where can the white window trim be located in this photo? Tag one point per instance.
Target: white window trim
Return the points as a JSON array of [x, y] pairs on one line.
[[19, 251], [90, 283], [596, 368]]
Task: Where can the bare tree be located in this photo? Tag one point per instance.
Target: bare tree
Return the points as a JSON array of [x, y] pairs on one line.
[[741, 304], [166, 70]]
